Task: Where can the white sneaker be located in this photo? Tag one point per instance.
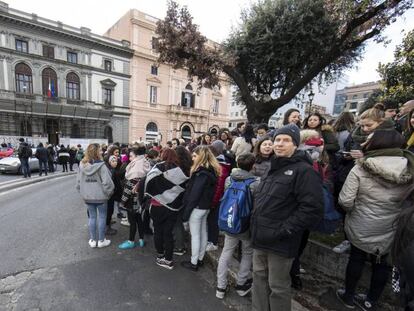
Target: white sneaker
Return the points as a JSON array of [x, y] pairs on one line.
[[343, 247], [104, 243], [92, 243], [302, 270], [211, 247], [125, 222]]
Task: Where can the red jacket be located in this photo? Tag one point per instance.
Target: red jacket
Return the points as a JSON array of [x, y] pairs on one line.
[[225, 172]]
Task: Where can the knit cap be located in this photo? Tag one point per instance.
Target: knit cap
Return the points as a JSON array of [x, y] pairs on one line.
[[219, 146], [292, 130]]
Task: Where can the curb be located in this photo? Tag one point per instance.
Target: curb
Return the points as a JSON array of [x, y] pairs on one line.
[[10, 185]]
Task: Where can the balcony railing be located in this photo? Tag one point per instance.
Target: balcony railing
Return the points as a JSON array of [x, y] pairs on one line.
[[187, 111]]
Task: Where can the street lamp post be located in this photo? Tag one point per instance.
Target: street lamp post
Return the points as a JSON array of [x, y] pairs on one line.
[[311, 95]]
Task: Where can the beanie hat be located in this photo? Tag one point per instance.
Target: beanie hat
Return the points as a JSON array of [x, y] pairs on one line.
[[292, 130], [314, 142], [219, 146]]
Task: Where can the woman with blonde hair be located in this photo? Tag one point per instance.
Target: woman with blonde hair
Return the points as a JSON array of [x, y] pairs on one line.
[[197, 202], [94, 182]]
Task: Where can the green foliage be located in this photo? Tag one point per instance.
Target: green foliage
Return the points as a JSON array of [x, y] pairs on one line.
[[279, 47], [398, 76]]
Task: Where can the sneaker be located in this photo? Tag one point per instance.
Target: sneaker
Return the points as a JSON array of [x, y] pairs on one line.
[[302, 270], [125, 222], [220, 292], [120, 215], [111, 231], [92, 243], [140, 243], [211, 247], [343, 247], [162, 262], [363, 303], [104, 243], [188, 265], [243, 290], [127, 245], [179, 251], [346, 302], [200, 263]]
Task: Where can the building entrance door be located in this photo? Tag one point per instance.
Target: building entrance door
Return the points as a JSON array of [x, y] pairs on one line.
[[52, 130]]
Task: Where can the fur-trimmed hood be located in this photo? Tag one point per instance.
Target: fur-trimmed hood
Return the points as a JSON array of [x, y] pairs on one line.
[[327, 128], [391, 170]]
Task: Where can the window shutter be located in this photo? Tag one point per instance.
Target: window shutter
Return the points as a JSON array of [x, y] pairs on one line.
[[192, 101], [182, 99]]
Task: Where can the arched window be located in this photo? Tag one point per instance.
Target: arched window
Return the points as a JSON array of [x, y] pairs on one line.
[[24, 82], [187, 97], [49, 83], [151, 132], [75, 132], [108, 134], [72, 86], [186, 132]]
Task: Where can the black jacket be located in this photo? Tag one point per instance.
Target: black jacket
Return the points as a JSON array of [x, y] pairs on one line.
[[200, 191], [287, 202], [41, 154]]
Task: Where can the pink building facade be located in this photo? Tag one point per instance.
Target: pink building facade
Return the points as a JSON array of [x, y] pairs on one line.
[[164, 104]]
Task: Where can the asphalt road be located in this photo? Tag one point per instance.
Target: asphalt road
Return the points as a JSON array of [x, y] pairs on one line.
[[46, 263], [10, 177]]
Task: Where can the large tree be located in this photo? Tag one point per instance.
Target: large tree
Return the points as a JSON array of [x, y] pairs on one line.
[[278, 48], [398, 76]]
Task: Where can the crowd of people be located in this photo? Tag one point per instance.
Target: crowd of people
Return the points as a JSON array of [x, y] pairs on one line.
[[266, 190]]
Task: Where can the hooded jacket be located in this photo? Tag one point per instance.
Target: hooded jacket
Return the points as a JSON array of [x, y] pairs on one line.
[[288, 201], [225, 172], [94, 182], [372, 196]]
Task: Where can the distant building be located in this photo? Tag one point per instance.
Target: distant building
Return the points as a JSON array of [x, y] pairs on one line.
[[237, 113], [164, 103], [59, 81], [352, 97]]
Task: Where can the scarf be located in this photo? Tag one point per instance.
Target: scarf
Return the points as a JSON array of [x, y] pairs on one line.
[[393, 152], [137, 168]]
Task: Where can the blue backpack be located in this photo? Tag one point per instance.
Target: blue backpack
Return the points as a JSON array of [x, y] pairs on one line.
[[236, 206], [331, 217]]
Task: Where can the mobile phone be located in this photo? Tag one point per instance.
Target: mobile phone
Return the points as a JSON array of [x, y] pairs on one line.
[[345, 152]]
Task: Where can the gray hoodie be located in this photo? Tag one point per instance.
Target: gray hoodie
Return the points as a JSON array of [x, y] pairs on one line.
[[94, 182], [239, 174]]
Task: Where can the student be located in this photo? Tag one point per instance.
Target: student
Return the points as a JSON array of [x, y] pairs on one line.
[[136, 169], [95, 185], [244, 282], [197, 202]]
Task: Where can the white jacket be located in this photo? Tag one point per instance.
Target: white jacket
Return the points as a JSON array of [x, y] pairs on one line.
[[372, 196]]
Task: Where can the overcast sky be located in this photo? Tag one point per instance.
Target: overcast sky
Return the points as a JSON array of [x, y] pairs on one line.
[[215, 18]]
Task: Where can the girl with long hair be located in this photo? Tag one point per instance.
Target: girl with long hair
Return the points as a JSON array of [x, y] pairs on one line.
[[165, 186], [94, 182], [244, 143], [263, 152], [409, 133], [372, 197], [197, 202], [292, 116], [343, 126]]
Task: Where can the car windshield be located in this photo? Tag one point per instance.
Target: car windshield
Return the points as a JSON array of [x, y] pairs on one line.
[[4, 149]]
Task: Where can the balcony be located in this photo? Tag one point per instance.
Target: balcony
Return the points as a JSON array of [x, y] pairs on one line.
[[186, 111]]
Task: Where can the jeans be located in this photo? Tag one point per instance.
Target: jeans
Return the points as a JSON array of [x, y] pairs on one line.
[[212, 222], [271, 282], [25, 167], [379, 276], [42, 165], [198, 230], [97, 211], [163, 220], [230, 244]]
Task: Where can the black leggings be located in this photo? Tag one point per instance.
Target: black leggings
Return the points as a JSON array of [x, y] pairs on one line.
[[379, 276], [64, 166], [212, 225], [135, 219], [110, 211], [164, 221]]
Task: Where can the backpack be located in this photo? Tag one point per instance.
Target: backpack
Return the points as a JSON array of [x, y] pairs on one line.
[[236, 206], [331, 217], [79, 155]]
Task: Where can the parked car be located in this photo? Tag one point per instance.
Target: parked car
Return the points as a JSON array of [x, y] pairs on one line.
[[5, 152], [12, 164]]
